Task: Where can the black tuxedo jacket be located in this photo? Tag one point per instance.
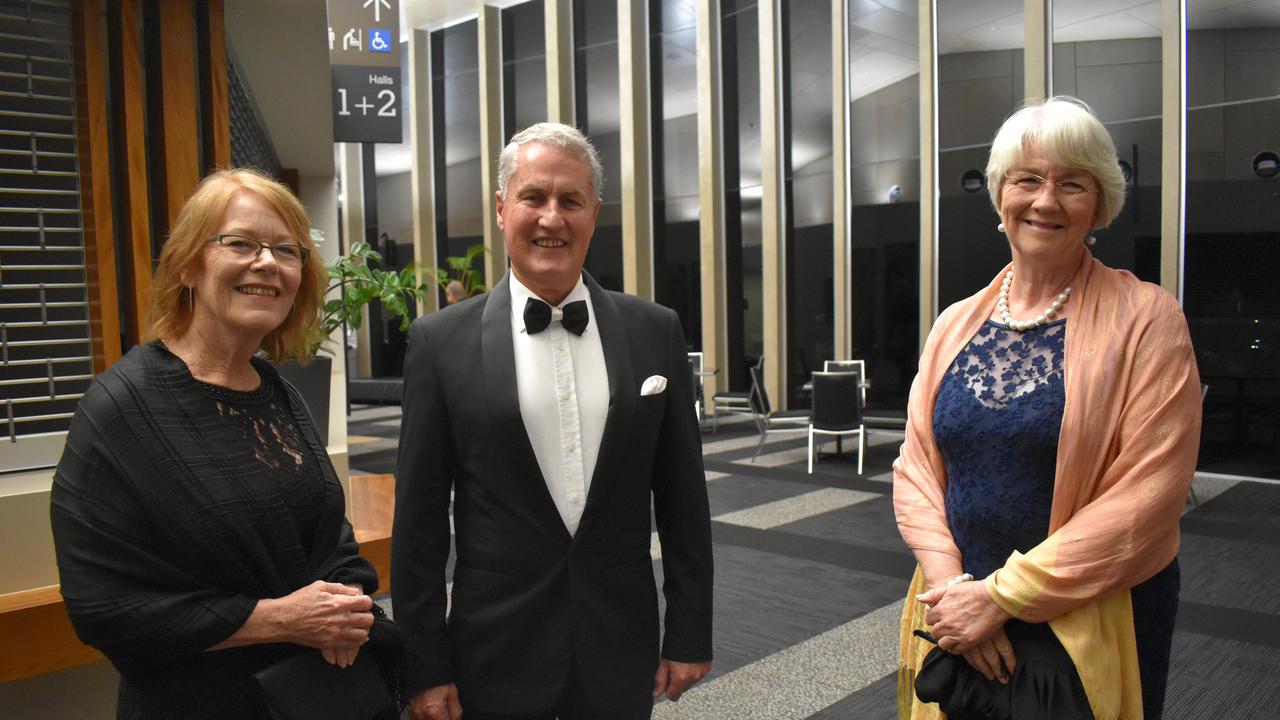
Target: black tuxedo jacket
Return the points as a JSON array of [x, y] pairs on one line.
[[530, 602]]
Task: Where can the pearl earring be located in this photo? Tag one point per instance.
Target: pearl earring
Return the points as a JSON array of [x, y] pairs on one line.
[[1091, 240], [1000, 228]]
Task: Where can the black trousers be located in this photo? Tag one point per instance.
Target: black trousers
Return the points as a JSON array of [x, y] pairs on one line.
[[573, 706]]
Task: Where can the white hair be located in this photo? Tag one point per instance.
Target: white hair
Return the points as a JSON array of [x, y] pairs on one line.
[[565, 137], [1066, 130]]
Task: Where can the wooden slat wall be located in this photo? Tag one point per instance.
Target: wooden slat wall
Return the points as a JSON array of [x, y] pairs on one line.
[[179, 100], [132, 192], [93, 145], [213, 86], [177, 128]]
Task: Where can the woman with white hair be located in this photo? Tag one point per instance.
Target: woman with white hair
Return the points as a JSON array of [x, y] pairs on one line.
[[1052, 435]]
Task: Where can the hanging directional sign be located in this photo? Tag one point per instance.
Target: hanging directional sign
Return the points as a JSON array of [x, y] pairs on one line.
[[364, 54]]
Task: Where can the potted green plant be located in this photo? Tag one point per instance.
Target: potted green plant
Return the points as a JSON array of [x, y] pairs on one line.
[[360, 282], [462, 269]]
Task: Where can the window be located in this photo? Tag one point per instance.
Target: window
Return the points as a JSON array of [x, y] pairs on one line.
[[46, 357]]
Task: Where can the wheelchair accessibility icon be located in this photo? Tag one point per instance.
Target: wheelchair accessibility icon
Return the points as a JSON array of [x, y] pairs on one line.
[[379, 40]]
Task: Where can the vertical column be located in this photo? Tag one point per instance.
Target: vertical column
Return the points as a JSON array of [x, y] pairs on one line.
[[1037, 58], [558, 23], [637, 190], [928, 12], [94, 146], [489, 28], [178, 105], [1173, 145], [215, 115], [124, 21], [351, 176], [842, 250], [422, 189], [715, 326], [773, 228]]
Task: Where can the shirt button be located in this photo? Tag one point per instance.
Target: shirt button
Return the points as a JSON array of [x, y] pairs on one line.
[[575, 498], [564, 397], [570, 445], [560, 348]]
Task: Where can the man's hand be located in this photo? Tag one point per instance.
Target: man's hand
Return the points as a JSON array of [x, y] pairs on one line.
[[673, 678], [436, 703]]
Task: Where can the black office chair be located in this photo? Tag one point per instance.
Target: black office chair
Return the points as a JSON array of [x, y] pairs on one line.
[[854, 366], [767, 420], [695, 372], [837, 410], [734, 403]]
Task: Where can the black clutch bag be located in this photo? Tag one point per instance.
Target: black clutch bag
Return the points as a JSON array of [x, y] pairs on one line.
[[1044, 684], [304, 686]]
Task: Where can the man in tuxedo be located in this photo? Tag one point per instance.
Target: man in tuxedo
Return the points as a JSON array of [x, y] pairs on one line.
[[558, 413]]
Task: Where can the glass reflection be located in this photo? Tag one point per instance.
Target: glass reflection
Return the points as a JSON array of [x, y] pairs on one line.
[[674, 107], [744, 285], [980, 81], [595, 38], [884, 181], [455, 96], [1232, 244], [1111, 60], [807, 157], [524, 67]]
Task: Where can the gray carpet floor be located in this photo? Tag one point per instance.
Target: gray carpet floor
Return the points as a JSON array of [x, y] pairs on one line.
[[811, 572]]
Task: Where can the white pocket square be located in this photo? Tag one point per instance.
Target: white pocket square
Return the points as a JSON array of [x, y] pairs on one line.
[[653, 385]]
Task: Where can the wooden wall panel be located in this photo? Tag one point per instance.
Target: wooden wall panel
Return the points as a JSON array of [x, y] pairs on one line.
[[132, 190], [179, 103], [93, 145], [215, 117]]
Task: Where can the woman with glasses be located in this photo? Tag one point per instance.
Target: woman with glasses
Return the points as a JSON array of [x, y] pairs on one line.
[[1052, 436], [198, 522]]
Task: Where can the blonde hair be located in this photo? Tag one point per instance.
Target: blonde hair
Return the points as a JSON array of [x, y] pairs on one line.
[[1068, 132], [170, 314]]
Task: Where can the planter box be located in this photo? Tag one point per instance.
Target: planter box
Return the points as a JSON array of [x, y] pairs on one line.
[[312, 382]]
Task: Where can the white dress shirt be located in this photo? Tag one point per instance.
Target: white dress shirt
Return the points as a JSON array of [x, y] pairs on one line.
[[563, 386]]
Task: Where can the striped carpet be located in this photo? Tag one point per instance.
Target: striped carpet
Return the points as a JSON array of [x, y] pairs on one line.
[[810, 574]]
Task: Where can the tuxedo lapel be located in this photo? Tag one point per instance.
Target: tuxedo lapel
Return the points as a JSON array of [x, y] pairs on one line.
[[622, 394], [502, 401]]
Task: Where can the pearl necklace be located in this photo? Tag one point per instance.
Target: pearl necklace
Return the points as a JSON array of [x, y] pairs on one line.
[[1002, 307]]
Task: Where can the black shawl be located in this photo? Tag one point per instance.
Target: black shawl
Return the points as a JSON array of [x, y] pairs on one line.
[[168, 530]]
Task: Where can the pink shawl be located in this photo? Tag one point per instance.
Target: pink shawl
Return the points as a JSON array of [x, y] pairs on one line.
[[1126, 456]]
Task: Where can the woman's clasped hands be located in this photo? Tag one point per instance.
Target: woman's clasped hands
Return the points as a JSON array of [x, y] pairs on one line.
[[965, 621], [331, 617]]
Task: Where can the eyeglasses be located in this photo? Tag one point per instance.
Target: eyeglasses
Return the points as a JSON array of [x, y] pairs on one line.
[[1032, 184], [287, 255]]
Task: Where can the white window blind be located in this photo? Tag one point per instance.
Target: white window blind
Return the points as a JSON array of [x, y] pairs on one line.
[[45, 349]]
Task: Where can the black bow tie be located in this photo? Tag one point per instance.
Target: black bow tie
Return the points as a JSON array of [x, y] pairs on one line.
[[538, 315]]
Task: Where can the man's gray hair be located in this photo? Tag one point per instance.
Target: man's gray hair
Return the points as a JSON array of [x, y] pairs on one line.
[[565, 137]]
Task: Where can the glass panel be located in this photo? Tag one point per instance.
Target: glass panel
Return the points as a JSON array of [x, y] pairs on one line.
[[884, 177], [740, 65], [1231, 296], [674, 103], [455, 95], [807, 148], [1111, 59], [980, 81], [524, 67], [388, 207], [595, 38]]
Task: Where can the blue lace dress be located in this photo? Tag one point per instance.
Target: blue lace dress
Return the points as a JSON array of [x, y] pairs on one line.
[[996, 421]]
